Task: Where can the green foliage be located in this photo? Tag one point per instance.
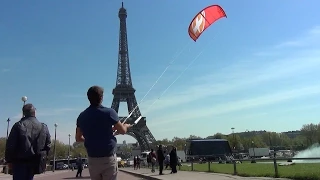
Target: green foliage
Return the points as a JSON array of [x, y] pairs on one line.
[[310, 134], [78, 149], [61, 150], [2, 147]]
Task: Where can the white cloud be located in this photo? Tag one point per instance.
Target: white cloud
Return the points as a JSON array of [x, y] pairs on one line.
[[238, 77], [289, 43], [308, 38], [247, 74], [228, 107]]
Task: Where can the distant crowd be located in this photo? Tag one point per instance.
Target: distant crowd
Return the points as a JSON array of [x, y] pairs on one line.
[[161, 158]]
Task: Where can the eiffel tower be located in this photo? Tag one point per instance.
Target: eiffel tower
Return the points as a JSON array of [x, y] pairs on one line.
[[124, 91]]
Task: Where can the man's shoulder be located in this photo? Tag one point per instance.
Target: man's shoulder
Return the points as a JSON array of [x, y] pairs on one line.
[[107, 110], [83, 112], [17, 125], [44, 125]]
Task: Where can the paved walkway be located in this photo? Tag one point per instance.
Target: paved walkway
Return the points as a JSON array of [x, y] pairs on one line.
[[63, 175], [187, 175], [48, 173]]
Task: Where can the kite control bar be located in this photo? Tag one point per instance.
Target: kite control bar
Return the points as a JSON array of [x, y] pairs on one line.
[[135, 122]]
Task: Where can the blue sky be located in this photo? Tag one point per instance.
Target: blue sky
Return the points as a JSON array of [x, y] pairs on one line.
[[258, 69]]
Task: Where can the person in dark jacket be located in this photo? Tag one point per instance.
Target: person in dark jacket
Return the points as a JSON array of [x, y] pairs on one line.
[[173, 160], [27, 146], [138, 162], [160, 159], [79, 166], [135, 163], [149, 159]]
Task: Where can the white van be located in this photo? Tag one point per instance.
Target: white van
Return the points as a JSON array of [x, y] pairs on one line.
[[143, 158]]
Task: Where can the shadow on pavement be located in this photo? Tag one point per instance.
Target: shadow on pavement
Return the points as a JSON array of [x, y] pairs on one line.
[[83, 177]]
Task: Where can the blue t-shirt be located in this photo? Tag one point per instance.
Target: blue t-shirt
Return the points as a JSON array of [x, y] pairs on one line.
[[96, 126]]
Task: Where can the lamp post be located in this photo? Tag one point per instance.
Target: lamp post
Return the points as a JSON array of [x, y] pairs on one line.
[[8, 120], [234, 139], [69, 152], [270, 142], [24, 99], [7, 167], [254, 153], [54, 147]]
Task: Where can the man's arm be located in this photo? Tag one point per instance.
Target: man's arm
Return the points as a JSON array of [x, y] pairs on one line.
[[118, 126], [47, 145], [79, 136], [12, 143]]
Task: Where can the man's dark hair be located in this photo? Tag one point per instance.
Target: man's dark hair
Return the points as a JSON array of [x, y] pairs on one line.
[[95, 95], [29, 110]]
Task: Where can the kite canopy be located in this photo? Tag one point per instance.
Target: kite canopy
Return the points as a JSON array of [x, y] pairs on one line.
[[204, 19]]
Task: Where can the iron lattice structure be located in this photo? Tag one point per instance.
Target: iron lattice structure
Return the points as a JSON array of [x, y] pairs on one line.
[[124, 91]]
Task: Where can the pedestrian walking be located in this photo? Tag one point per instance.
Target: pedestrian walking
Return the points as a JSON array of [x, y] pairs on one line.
[[135, 163], [153, 159], [173, 160], [79, 163], [138, 162], [167, 161], [27, 146], [160, 157]]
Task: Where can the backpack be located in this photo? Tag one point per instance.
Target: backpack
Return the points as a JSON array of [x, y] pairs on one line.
[[40, 155]]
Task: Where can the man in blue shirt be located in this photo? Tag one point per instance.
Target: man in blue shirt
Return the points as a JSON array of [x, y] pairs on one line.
[[95, 127]]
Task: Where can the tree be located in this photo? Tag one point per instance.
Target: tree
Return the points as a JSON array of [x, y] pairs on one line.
[[194, 137], [163, 142], [257, 142], [78, 149], [217, 136], [61, 150], [179, 143], [234, 141], [267, 138], [285, 141], [2, 146], [310, 132]]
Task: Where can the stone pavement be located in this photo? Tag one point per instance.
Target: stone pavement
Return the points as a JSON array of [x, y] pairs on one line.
[[188, 175], [48, 173], [62, 175]]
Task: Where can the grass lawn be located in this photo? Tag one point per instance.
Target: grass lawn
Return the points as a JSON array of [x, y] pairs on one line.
[[307, 171]]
